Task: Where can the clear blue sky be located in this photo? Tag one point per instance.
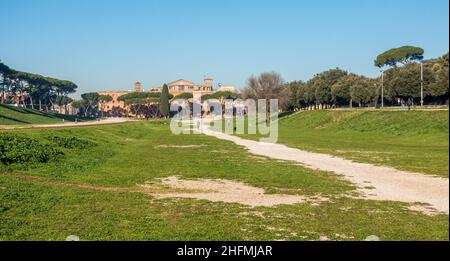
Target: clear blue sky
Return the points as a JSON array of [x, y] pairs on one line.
[[108, 44]]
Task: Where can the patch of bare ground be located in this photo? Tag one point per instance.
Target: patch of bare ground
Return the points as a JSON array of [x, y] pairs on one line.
[[227, 191]]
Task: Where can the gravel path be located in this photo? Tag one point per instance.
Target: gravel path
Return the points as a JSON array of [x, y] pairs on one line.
[[374, 182]]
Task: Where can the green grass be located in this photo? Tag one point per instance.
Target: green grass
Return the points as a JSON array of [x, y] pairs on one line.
[[10, 115], [51, 201], [408, 140], [130, 154]]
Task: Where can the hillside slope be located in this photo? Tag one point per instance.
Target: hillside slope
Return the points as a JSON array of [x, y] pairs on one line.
[[19, 116], [408, 140]]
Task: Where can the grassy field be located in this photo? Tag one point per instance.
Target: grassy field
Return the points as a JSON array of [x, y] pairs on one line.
[[10, 115], [408, 140], [83, 190]]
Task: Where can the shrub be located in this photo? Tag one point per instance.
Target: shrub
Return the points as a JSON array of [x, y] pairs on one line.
[[16, 149]]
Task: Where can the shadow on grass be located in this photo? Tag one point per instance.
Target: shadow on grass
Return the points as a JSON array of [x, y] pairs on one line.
[[12, 119], [285, 114], [48, 115]]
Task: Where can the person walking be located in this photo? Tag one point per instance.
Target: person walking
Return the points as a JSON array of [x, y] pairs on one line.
[[410, 103]]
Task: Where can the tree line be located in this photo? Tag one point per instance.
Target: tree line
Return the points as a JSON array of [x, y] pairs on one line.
[[401, 81], [142, 104], [32, 90]]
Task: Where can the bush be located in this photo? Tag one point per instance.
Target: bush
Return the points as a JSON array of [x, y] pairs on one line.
[[16, 149], [70, 142]]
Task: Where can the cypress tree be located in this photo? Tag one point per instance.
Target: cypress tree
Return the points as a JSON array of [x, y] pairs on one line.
[[164, 101]]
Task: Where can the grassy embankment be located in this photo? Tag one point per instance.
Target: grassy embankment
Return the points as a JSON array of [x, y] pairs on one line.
[[19, 116], [415, 141], [78, 185]]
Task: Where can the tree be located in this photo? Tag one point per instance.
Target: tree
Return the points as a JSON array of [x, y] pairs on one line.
[[64, 88], [45, 92], [80, 105], [4, 71], [296, 89], [164, 102], [340, 91], [308, 94], [146, 110], [268, 85], [102, 100], [439, 85], [321, 84], [354, 88], [62, 101], [91, 103], [59, 89], [404, 82], [403, 55], [35, 82], [19, 85], [363, 90]]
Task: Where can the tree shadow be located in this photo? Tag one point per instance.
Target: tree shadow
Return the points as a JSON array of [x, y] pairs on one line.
[[49, 115], [12, 119]]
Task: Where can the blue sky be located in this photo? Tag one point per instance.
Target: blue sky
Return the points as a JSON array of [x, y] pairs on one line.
[[110, 44]]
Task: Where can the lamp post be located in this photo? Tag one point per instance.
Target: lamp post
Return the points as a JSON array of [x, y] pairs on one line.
[[421, 84], [382, 89]]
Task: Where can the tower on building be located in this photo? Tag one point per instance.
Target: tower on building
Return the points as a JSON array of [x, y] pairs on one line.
[[138, 87], [208, 82]]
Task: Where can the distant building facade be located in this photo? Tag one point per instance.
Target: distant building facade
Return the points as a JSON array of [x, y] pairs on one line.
[[183, 86], [118, 108], [115, 107]]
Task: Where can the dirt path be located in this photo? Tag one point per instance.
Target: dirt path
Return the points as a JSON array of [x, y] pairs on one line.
[[374, 182], [107, 121]]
